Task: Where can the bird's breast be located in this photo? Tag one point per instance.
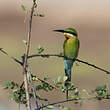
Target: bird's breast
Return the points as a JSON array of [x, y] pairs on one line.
[[71, 48]]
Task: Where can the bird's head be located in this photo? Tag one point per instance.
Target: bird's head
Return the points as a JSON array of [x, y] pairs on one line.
[[68, 32]]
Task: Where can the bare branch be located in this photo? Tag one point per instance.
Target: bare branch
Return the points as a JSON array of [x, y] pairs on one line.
[[13, 58], [26, 58], [92, 65], [78, 60]]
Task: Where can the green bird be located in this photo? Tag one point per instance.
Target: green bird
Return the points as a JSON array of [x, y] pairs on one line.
[[70, 51]]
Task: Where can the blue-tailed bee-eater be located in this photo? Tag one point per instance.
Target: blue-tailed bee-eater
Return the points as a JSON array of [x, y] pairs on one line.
[[70, 51]]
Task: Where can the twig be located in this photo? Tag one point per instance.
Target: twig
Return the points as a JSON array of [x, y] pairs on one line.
[[94, 66], [69, 100], [25, 59], [46, 83], [55, 103], [20, 91], [13, 58], [78, 60], [43, 55]]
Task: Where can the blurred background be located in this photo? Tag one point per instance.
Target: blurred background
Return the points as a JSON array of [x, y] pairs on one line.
[[92, 21]]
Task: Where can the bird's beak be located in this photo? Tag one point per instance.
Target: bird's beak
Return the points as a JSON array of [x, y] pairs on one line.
[[59, 31]]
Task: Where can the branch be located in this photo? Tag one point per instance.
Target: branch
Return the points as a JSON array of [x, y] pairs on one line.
[[92, 65], [69, 100], [13, 58], [55, 103], [33, 89], [78, 60], [26, 58]]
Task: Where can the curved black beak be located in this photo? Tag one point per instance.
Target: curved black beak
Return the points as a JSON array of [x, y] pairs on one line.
[[59, 31]]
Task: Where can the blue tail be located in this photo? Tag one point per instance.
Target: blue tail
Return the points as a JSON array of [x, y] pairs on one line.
[[68, 66]]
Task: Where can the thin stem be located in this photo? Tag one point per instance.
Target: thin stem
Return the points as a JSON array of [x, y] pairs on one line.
[[94, 66], [13, 58], [33, 89], [55, 103], [28, 38], [27, 92], [25, 59], [20, 91]]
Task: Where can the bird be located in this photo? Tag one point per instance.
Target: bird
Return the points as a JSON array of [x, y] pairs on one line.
[[70, 51]]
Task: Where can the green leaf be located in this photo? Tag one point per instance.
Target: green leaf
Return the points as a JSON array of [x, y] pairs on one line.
[[7, 84], [35, 5], [40, 49], [38, 87], [66, 108], [24, 95], [24, 8], [1, 49], [34, 78], [50, 88], [76, 91], [31, 95], [101, 88], [50, 107], [59, 79], [24, 41], [46, 78], [86, 91], [54, 82], [65, 78], [13, 85], [63, 89], [10, 96]]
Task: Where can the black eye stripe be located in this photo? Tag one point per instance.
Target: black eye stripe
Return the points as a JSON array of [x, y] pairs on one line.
[[71, 33]]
